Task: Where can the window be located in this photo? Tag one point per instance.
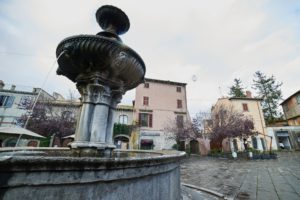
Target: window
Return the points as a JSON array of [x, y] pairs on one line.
[[146, 85], [68, 115], [179, 103], [285, 108], [263, 143], [25, 102], [178, 89], [254, 142], [123, 119], [179, 121], [298, 99], [145, 119], [6, 101], [146, 101], [245, 107]]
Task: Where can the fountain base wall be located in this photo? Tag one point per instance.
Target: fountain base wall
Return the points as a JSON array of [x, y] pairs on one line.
[[40, 177]]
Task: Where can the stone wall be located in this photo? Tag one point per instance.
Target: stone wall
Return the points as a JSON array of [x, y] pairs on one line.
[[40, 177]]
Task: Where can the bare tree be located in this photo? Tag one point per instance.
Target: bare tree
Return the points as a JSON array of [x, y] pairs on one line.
[[200, 123], [52, 117], [226, 122], [179, 130]]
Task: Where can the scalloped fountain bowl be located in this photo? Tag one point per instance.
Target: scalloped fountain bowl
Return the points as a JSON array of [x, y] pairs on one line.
[[110, 59]]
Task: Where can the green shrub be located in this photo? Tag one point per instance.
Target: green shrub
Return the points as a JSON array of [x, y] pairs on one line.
[[45, 142], [175, 146], [122, 129]]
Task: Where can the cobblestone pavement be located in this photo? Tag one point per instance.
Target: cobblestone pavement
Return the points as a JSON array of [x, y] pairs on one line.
[[242, 179]]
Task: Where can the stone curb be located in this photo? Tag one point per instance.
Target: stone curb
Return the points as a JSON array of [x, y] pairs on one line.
[[204, 190]]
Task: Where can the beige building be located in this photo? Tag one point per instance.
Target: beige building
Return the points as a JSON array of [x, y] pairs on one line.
[[291, 109], [157, 104], [15, 102], [124, 116], [250, 107]]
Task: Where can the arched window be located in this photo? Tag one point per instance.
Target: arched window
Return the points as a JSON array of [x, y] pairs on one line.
[[123, 119]]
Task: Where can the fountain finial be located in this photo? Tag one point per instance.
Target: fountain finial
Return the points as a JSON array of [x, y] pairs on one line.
[[112, 19]]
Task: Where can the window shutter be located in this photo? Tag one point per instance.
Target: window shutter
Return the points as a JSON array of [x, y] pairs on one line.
[[150, 120], [10, 101], [140, 119]]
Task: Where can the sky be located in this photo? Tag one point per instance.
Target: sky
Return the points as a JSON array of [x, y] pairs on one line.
[[205, 44]]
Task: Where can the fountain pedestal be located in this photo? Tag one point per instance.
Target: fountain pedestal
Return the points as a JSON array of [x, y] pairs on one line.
[[95, 125]]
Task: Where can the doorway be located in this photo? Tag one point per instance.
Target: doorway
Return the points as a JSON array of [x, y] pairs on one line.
[[194, 145]]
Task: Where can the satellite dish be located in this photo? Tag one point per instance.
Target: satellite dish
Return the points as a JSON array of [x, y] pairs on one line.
[[194, 78]]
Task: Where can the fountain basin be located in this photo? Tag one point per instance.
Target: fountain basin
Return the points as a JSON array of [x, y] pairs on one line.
[[141, 175]]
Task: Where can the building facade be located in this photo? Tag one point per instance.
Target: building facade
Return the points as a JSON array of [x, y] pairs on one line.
[[123, 126], [157, 104], [250, 107], [14, 103], [291, 109], [287, 135]]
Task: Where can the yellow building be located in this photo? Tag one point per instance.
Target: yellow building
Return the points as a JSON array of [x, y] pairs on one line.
[[250, 107]]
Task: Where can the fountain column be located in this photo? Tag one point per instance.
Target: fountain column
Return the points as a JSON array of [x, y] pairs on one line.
[[100, 115], [116, 98], [82, 134]]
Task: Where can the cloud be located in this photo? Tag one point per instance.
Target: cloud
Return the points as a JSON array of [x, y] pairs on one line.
[[216, 41]]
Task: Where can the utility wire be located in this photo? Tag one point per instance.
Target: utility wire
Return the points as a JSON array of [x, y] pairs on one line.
[[22, 54]]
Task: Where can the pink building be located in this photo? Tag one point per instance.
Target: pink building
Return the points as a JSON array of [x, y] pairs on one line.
[[157, 104]]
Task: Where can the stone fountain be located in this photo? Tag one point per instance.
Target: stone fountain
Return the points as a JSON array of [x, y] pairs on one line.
[[103, 69]]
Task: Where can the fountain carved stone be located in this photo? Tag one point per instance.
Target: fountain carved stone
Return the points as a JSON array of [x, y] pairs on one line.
[[104, 69]]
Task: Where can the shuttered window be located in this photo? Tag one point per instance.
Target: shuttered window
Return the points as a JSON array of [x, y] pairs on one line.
[[245, 107], [145, 119], [146, 101], [179, 103]]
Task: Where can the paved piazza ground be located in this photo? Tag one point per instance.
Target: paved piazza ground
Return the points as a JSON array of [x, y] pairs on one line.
[[242, 179]]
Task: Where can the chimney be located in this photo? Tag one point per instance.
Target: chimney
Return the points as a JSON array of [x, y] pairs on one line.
[[13, 87], [36, 90], [1, 84], [248, 94]]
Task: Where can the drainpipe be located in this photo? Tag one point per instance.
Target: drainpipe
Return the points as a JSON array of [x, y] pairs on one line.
[[260, 114]]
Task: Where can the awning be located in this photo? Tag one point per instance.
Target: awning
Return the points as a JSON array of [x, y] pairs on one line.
[[15, 130], [146, 142]]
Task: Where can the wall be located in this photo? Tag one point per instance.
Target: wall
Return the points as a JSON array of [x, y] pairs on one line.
[[291, 109], [163, 98], [9, 115], [254, 111], [293, 132], [124, 110], [151, 176]]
